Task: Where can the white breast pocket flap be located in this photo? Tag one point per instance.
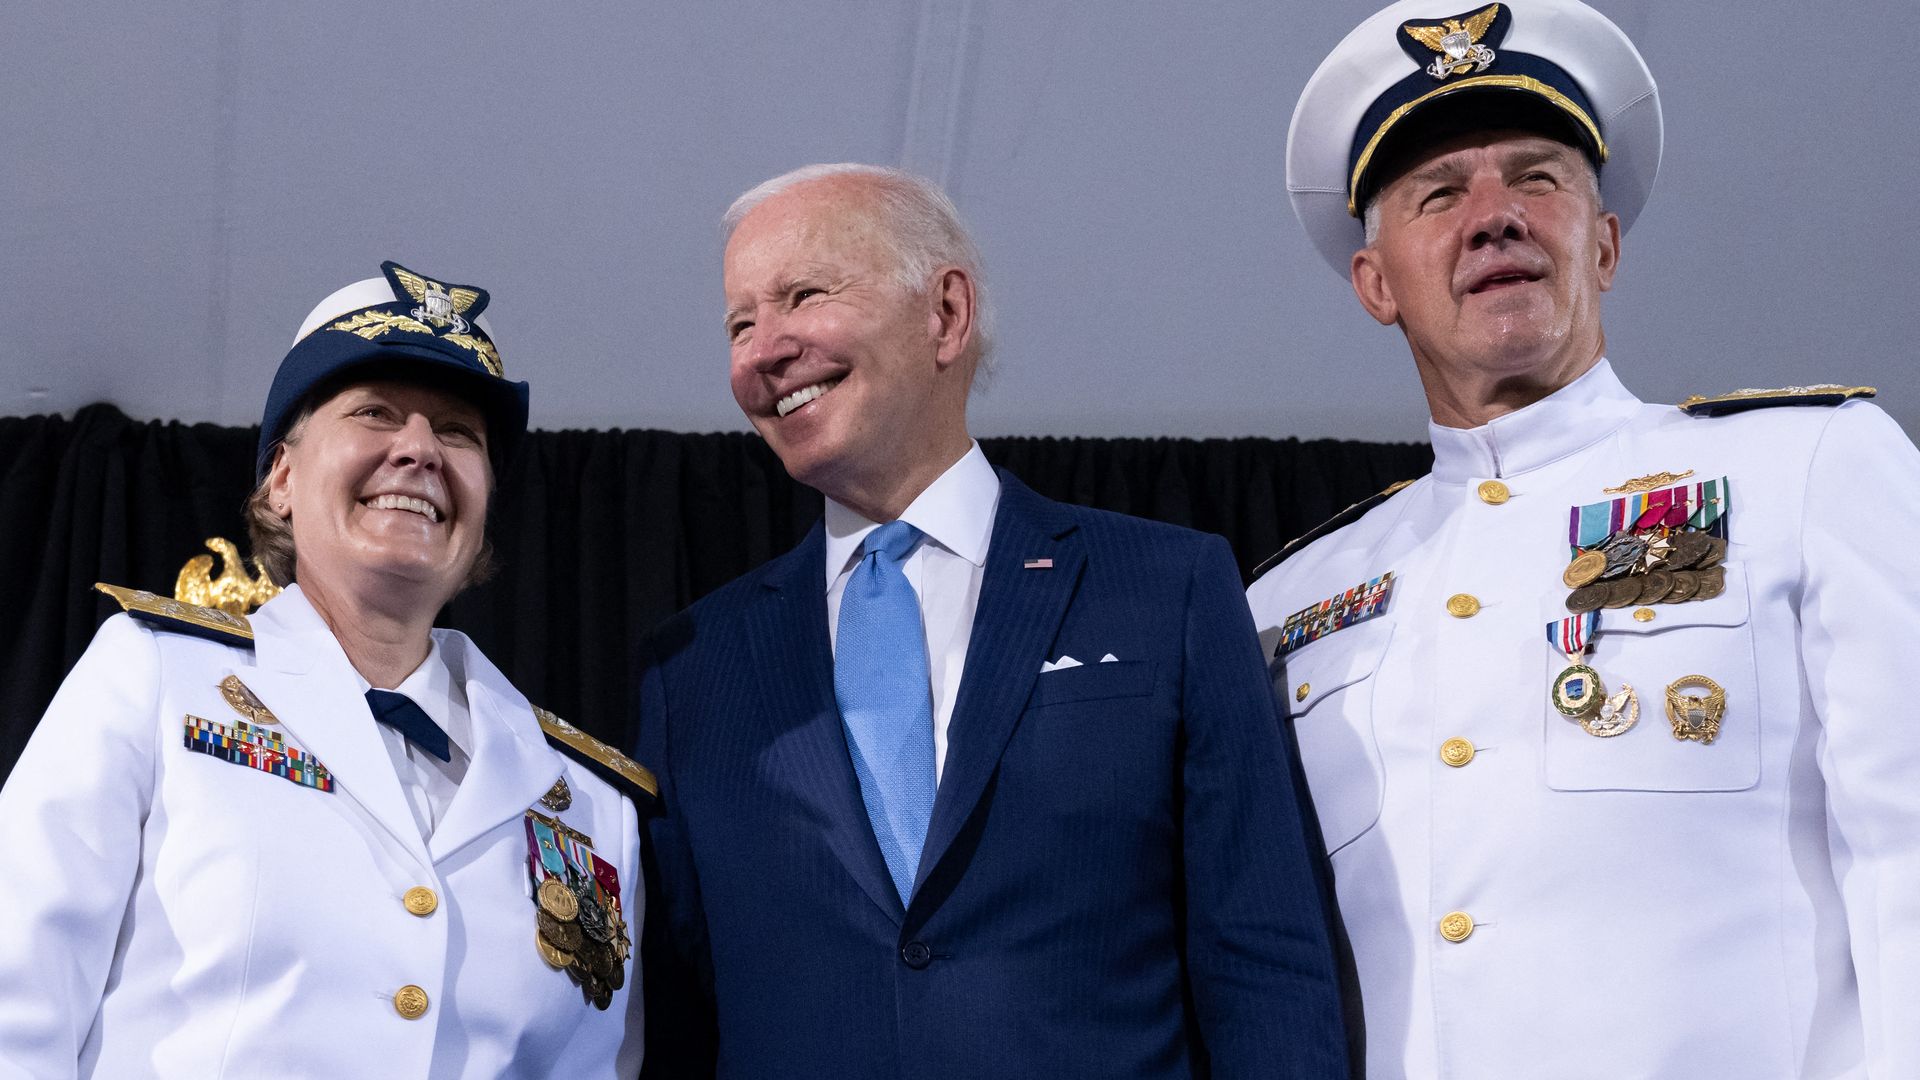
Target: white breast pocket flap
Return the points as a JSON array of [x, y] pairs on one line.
[[1694, 648], [1326, 691]]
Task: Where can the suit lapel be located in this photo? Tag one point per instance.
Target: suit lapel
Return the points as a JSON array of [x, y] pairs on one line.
[[1018, 617], [301, 674], [511, 766], [787, 633]]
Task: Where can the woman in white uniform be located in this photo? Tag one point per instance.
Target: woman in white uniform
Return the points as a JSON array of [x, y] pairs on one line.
[[327, 839]]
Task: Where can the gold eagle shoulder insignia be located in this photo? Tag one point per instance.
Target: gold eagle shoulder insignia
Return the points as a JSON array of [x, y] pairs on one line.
[[572, 737], [1754, 398], [166, 613], [232, 591], [1338, 521]]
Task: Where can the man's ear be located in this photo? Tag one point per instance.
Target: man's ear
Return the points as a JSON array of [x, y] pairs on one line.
[[950, 317], [1608, 250], [1370, 285]]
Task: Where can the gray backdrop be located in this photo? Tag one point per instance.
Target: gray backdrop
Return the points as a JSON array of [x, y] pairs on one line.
[[180, 182]]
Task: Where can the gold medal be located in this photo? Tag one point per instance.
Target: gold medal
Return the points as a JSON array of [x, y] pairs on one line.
[[1585, 568], [557, 959], [1696, 716], [557, 900], [564, 936], [1622, 592], [1577, 691]]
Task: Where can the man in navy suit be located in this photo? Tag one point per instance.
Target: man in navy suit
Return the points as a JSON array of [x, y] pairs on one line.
[[971, 783]]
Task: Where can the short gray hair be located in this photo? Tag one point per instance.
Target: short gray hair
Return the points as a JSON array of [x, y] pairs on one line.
[[921, 228], [1370, 217]]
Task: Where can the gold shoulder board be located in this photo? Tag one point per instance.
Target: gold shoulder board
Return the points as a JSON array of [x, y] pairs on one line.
[[628, 769], [1742, 400], [1340, 520], [166, 613]]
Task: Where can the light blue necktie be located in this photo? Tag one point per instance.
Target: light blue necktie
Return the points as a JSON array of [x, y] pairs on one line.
[[880, 679]]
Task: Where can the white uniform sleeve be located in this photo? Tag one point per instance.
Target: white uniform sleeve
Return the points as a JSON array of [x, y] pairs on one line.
[[71, 816], [1859, 621]]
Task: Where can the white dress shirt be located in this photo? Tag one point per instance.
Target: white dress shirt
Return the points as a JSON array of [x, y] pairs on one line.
[[428, 782], [955, 518]]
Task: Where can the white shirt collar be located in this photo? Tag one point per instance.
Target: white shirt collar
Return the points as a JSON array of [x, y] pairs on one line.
[[1570, 419], [955, 511], [434, 687]]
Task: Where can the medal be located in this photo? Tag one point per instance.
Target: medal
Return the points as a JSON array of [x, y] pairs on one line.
[[1650, 547], [1577, 691], [1584, 568], [576, 894], [1616, 714], [557, 901], [555, 958], [558, 797], [1696, 716]]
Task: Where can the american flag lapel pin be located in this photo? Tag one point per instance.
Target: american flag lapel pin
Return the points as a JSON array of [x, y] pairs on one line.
[[1037, 564]]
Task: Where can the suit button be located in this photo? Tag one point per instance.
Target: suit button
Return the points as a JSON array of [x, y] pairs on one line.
[[1493, 492], [420, 901], [1463, 605], [1456, 752], [1456, 926], [916, 954], [410, 1001], [1300, 692]]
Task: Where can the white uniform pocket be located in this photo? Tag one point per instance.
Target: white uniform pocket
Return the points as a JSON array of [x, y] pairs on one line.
[[1700, 637], [1326, 689]]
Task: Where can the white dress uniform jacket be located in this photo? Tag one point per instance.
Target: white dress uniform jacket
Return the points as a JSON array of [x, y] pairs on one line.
[[1641, 907], [168, 913]]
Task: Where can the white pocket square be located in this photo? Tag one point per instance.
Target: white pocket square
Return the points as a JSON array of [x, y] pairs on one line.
[[1061, 664], [1109, 659]]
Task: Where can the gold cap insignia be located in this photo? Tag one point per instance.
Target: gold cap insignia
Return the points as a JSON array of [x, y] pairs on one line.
[[1457, 43]]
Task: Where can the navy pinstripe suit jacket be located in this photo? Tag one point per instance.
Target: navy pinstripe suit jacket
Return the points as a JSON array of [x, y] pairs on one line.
[[1115, 881]]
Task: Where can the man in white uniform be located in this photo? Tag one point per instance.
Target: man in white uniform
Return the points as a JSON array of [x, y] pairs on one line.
[[1602, 718]]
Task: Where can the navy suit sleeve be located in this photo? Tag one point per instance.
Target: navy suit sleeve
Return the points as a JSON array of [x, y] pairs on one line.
[[681, 1029], [1265, 995]]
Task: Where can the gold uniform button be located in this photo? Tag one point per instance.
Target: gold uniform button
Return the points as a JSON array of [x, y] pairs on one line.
[[1456, 926], [1300, 692], [410, 1001], [1463, 605], [1644, 614], [1456, 752], [1493, 492], [420, 900]]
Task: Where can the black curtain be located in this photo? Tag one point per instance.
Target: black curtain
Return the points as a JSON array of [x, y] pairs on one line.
[[600, 534]]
